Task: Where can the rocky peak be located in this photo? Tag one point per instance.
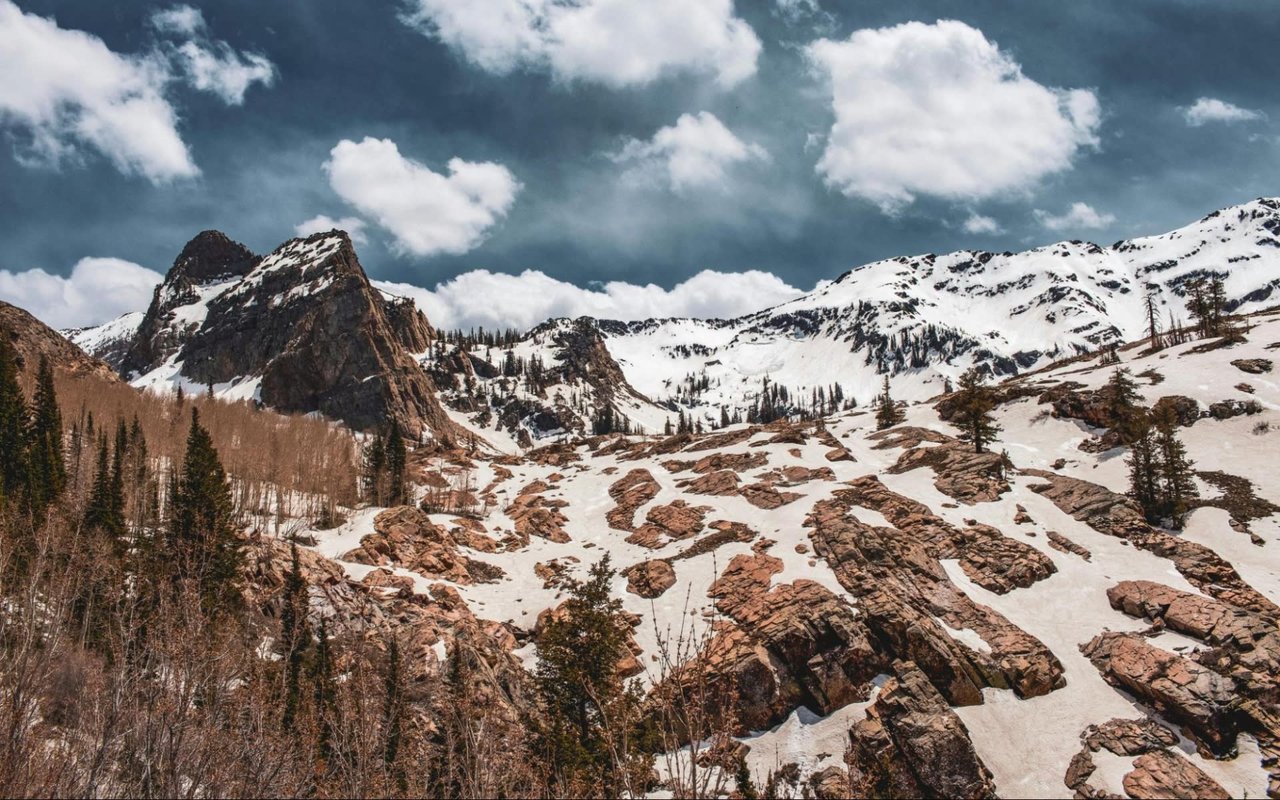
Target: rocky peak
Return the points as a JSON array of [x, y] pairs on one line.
[[207, 264], [212, 255], [306, 324]]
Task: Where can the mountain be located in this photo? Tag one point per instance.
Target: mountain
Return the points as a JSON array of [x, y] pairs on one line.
[[249, 327], [926, 319], [32, 340], [300, 330]]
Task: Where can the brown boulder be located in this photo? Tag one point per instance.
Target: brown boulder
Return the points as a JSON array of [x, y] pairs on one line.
[[1199, 698], [1253, 366], [630, 492], [1163, 773], [650, 579], [405, 537], [913, 745]]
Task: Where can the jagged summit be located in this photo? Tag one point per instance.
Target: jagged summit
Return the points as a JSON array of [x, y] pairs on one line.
[[212, 255], [299, 329]]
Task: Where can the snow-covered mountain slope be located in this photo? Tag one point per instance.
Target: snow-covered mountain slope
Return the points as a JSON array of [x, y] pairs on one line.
[[1040, 638], [928, 318], [923, 320]]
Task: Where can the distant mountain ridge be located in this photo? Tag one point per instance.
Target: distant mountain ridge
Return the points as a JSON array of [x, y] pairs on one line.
[[269, 328]]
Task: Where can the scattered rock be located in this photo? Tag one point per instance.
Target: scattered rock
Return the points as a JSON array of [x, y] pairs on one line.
[[1162, 773], [1253, 366], [1061, 543], [913, 745], [633, 490], [650, 579], [406, 537], [1184, 691]]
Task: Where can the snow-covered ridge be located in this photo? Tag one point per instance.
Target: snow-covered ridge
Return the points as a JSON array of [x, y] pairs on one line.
[[927, 318]]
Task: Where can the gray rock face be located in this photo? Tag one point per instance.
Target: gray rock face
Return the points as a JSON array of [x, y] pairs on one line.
[[304, 321], [321, 338], [208, 260]]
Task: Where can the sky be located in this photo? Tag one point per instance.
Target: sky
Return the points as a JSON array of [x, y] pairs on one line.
[[504, 161]]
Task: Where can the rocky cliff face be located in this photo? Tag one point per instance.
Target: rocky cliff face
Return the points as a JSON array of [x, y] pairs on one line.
[[208, 264], [300, 329]]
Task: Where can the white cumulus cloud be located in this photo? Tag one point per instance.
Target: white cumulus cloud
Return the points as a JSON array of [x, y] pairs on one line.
[[940, 110], [613, 42], [1211, 109], [427, 212], [692, 153], [210, 65], [1081, 216], [65, 91], [978, 224], [98, 290], [354, 226], [498, 300]]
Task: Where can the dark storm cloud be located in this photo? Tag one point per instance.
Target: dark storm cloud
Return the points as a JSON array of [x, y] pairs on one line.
[[354, 70]]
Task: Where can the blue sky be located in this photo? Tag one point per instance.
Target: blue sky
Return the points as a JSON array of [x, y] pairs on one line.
[[614, 141]]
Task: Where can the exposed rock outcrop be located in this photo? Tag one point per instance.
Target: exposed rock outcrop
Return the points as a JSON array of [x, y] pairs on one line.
[[650, 579], [405, 537], [913, 745], [32, 340]]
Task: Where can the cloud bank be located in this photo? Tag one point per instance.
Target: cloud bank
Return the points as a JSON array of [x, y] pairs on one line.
[[495, 300], [616, 43], [940, 110], [98, 290]]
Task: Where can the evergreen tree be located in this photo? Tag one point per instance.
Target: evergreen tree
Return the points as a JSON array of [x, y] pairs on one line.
[[47, 467], [324, 692], [374, 469], [742, 779], [294, 636], [393, 708], [1122, 399], [397, 460], [974, 405], [1144, 467], [888, 412], [1153, 328], [202, 539], [577, 678], [13, 427], [104, 512], [1176, 474]]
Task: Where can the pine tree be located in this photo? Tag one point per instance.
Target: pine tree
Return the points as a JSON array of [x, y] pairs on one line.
[[1122, 399], [397, 458], [888, 413], [13, 427], [577, 678], [1153, 328], [974, 405], [103, 513], [1176, 473], [47, 466], [1144, 467], [393, 708], [374, 469], [324, 692], [202, 539], [294, 636]]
